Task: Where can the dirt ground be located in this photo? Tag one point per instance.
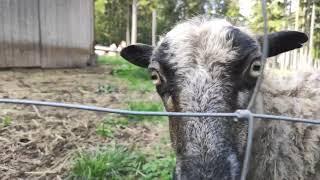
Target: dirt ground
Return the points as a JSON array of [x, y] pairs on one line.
[[40, 142]]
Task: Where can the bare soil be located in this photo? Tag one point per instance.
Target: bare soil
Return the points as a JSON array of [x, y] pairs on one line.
[[40, 142]]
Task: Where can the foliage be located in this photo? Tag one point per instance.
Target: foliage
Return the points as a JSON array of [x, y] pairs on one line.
[[316, 39], [110, 124], [100, 22], [276, 16], [118, 162], [110, 20], [159, 168], [112, 16], [106, 89], [225, 8], [113, 163], [145, 106], [233, 12], [281, 16], [6, 121], [134, 77], [189, 8], [111, 60], [168, 16]]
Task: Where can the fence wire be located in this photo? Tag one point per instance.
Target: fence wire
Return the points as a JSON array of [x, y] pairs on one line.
[[248, 115], [239, 114], [245, 114]]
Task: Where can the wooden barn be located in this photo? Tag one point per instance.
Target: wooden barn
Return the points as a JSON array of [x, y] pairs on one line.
[[46, 33]]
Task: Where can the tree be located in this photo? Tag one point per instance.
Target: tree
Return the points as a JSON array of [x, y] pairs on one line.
[[154, 27], [100, 23], [128, 39], [110, 20], [115, 22], [134, 21], [276, 10]]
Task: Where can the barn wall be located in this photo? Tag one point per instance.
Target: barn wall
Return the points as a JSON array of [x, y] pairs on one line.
[[66, 32], [46, 33], [19, 33]]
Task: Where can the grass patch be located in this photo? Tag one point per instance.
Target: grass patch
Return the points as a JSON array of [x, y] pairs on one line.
[[136, 78], [120, 163], [145, 106], [111, 60], [110, 124], [6, 121], [113, 163], [107, 89], [159, 168]]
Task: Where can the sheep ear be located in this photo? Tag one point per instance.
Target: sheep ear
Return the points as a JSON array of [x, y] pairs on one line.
[[283, 41], [138, 54]]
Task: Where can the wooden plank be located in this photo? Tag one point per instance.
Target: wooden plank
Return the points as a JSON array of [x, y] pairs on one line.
[[19, 33], [66, 32]]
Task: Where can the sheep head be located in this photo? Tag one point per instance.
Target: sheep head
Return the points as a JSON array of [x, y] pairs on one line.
[[208, 65]]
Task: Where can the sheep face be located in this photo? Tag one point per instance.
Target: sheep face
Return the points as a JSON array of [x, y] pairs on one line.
[[207, 65]]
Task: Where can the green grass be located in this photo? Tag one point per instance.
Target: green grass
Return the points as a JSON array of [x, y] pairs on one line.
[[120, 163], [134, 77], [159, 168], [113, 163], [110, 125], [107, 89], [6, 121], [145, 106], [111, 60]]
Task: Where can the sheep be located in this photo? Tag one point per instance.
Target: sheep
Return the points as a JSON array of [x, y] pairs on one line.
[[206, 64]]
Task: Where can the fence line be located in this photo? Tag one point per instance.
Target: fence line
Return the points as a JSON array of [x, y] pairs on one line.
[[302, 62], [239, 114], [247, 114]]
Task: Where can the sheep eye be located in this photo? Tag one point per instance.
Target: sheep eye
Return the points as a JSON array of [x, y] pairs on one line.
[[155, 77], [255, 68]]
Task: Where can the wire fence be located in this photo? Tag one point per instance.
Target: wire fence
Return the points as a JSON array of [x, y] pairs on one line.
[[245, 114]]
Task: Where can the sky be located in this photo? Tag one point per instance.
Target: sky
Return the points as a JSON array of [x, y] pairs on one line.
[[246, 7]]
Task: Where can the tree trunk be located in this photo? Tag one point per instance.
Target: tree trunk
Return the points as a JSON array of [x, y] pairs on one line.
[[296, 28], [128, 26], [311, 34], [154, 27], [134, 22], [296, 22]]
